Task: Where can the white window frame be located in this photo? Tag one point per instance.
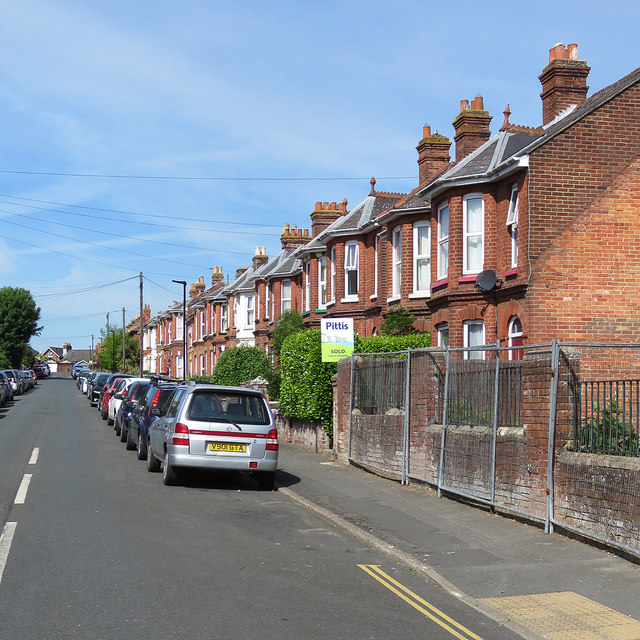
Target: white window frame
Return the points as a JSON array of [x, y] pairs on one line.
[[512, 224], [468, 235], [203, 328], [179, 328], [267, 300], [467, 325], [443, 243], [333, 274], [307, 286], [513, 333], [419, 258], [179, 367], [251, 312], [224, 320], [203, 364], [351, 265], [396, 262], [236, 311], [322, 282], [375, 267], [443, 330], [212, 329], [285, 300]]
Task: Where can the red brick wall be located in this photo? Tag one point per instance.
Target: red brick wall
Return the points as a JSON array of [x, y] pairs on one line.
[[585, 287], [567, 173]]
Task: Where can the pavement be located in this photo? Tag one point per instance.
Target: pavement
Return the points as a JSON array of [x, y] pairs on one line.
[[541, 586]]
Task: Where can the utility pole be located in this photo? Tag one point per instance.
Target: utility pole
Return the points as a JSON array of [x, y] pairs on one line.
[[91, 358], [124, 367], [141, 329], [184, 325]]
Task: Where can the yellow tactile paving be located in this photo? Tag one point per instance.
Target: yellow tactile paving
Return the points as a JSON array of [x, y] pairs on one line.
[[567, 616]]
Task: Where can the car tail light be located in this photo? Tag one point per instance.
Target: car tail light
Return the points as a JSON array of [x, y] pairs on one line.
[[154, 402], [181, 434], [272, 440]]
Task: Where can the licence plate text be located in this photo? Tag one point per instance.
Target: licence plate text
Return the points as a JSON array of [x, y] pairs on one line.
[[228, 446]]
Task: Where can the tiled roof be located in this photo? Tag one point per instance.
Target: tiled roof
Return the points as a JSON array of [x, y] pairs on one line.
[[503, 148]]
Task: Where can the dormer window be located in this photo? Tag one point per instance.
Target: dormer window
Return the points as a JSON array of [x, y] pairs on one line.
[[512, 224]]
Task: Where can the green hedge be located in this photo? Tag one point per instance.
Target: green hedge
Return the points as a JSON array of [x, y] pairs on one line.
[[384, 344], [305, 390], [241, 364]]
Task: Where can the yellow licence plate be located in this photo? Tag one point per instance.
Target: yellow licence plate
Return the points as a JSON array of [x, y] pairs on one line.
[[228, 446]]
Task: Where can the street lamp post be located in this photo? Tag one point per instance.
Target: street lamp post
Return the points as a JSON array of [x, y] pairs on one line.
[[184, 325], [113, 346]]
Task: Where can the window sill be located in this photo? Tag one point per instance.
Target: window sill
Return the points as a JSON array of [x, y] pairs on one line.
[[468, 278], [419, 294], [511, 272], [350, 299], [393, 299], [321, 311], [331, 303], [373, 297], [440, 283]]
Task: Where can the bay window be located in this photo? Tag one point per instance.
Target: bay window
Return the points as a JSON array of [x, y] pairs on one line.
[[473, 232], [421, 258], [443, 241]]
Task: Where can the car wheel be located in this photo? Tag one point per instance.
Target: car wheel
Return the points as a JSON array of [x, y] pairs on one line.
[[109, 420], [123, 434], [118, 428], [142, 448], [169, 474], [153, 464], [266, 480], [131, 445]]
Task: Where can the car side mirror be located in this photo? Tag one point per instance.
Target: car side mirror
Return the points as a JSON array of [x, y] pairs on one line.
[[154, 411]]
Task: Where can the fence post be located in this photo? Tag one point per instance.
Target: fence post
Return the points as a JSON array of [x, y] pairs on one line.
[[351, 395], [494, 443], [445, 409], [405, 435], [553, 407]]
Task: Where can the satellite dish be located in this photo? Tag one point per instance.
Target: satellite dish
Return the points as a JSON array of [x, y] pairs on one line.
[[486, 280]]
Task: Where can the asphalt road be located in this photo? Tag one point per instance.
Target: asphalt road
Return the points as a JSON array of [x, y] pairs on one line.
[[95, 547]]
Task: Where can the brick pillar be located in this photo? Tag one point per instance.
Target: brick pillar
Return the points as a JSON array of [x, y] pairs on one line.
[[341, 394]]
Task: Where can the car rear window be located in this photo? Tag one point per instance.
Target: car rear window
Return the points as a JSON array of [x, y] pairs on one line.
[[211, 406]]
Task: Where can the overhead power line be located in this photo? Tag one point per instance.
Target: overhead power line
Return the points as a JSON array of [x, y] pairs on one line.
[[205, 178]]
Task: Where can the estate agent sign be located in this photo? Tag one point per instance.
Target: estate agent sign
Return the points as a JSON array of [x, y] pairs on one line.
[[337, 338]]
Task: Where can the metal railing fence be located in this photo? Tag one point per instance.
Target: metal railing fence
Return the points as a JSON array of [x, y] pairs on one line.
[[511, 434]]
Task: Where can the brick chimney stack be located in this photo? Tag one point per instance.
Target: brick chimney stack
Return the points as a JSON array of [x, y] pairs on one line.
[[324, 214], [564, 81], [292, 237], [433, 155], [260, 258], [472, 127], [217, 278]]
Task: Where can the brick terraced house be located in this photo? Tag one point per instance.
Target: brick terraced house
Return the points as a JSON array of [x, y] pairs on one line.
[[544, 219]]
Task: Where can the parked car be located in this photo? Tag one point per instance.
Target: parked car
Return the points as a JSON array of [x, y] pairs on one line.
[[107, 391], [15, 380], [96, 387], [214, 427], [40, 371], [141, 418], [135, 392], [115, 400], [6, 390]]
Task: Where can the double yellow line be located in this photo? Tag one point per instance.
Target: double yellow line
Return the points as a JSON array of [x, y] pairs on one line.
[[431, 612]]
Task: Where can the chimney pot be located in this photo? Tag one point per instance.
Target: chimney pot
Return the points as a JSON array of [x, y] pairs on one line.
[[573, 51], [426, 131], [318, 206], [477, 104], [332, 206], [464, 105]]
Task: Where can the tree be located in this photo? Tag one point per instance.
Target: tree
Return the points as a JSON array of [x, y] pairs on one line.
[[19, 317], [241, 364], [288, 323], [109, 352], [398, 322]]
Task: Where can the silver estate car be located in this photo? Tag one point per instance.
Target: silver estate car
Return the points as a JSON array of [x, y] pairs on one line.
[[214, 427]]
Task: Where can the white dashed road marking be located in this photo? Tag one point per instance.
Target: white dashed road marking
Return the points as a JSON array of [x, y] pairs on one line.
[[5, 544], [22, 489], [34, 456]]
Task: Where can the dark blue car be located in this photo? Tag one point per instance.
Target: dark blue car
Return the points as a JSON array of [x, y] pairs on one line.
[[141, 418]]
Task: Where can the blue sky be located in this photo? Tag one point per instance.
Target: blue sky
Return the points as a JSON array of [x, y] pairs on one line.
[[235, 118]]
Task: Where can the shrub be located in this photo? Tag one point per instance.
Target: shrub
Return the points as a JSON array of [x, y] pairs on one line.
[[398, 322], [384, 344], [288, 323], [306, 392], [241, 364]]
